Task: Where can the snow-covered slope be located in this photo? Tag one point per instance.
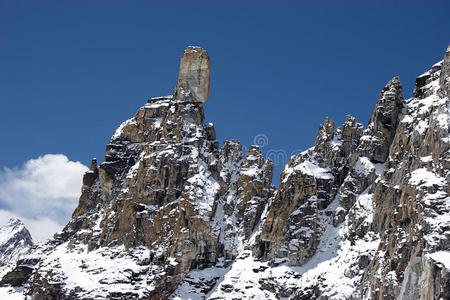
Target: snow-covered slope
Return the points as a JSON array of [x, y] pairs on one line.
[[363, 214]]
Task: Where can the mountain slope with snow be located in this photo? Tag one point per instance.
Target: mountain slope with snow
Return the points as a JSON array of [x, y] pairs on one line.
[[15, 241], [363, 214]]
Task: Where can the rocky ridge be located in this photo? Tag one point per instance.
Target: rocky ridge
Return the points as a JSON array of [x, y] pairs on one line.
[[363, 214]]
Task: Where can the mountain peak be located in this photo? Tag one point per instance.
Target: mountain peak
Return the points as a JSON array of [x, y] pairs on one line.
[[193, 77], [13, 222], [15, 241], [170, 214], [13, 226]]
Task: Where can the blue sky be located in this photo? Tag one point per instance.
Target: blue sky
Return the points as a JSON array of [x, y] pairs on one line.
[[72, 71]]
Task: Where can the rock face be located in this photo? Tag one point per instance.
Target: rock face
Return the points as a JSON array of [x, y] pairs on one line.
[[15, 241], [193, 77], [411, 201], [169, 214], [308, 185], [383, 123]]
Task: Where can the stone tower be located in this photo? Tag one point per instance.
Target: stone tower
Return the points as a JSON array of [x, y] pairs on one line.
[[193, 77]]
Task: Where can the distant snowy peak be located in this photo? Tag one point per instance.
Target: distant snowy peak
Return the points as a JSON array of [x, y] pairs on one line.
[[15, 240], [13, 228]]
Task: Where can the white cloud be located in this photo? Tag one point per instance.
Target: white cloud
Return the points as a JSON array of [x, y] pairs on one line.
[[43, 193]]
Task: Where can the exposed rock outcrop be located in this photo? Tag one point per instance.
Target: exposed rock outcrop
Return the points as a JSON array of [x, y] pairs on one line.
[[193, 77], [411, 201], [343, 164], [366, 161]]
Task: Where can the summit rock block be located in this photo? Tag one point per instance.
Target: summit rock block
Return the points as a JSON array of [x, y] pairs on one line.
[[193, 77]]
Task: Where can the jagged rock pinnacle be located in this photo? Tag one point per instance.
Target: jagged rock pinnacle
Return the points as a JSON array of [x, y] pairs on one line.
[[93, 164], [193, 77], [444, 80]]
